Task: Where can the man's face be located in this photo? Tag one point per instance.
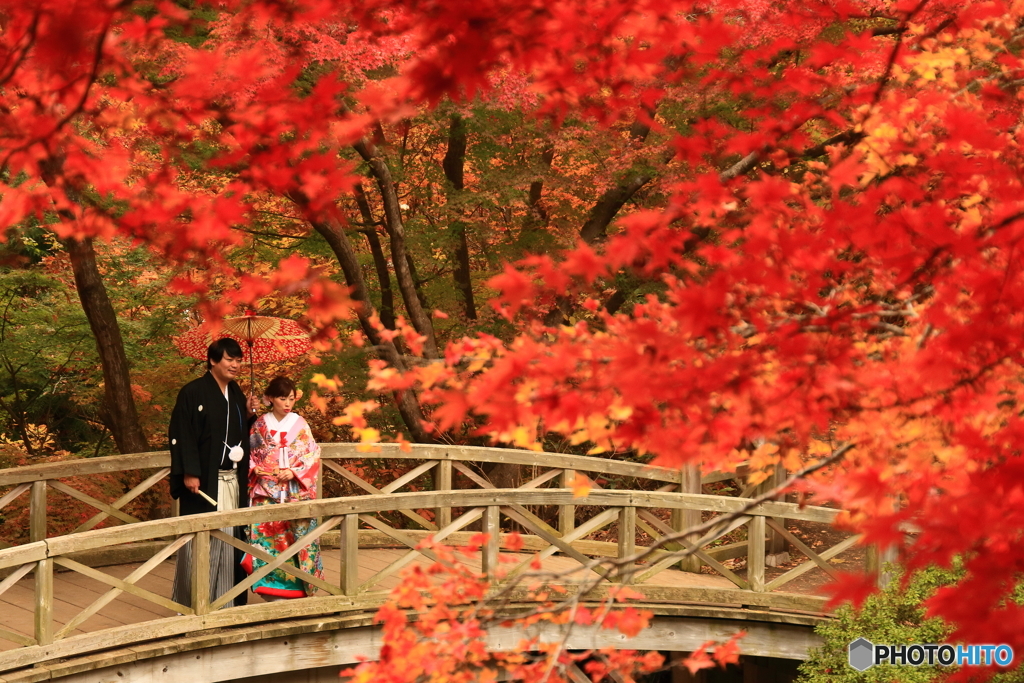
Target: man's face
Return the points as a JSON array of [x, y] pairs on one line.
[[226, 369]]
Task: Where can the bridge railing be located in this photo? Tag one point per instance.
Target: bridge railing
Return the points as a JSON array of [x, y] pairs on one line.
[[484, 508], [433, 467]]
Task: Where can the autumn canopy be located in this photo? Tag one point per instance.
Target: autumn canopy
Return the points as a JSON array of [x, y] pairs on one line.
[[800, 224]]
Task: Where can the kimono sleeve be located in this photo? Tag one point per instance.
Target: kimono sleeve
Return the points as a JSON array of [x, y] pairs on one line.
[[184, 434], [306, 457]]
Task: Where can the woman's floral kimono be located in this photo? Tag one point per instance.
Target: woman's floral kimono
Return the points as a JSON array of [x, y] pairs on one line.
[[288, 444]]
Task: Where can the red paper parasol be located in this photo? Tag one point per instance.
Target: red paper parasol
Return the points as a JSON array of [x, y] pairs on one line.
[[263, 339]]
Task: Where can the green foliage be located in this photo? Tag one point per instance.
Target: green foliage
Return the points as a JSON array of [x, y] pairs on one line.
[[895, 615], [51, 382]]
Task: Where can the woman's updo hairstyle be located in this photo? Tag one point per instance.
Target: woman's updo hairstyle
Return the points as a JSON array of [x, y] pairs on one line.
[[280, 387]]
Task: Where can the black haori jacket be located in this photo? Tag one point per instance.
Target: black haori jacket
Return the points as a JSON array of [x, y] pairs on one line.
[[197, 435]]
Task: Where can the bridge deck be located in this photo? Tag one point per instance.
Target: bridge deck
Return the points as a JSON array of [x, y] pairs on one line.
[[73, 591]]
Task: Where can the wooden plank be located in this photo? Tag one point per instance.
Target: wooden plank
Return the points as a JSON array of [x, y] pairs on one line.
[[147, 484], [200, 555], [564, 543], [261, 554], [132, 578], [408, 476], [9, 497], [84, 467], [37, 511], [165, 628], [802, 547], [94, 502], [44, 602], [567, 512], [464, 520], [539, 480], [137, 591], [663, 564], [755, 554], [807, 566], [277, 563], [19, 615], [443, 482], [689, 482], [15, 576], [416, 500], [627, 544], [491, 527], [129, 608], [483, 483], [15, 637], [505, 455], [349, 544], [373, 490]]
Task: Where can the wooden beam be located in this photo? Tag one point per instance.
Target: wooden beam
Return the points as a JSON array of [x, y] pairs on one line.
[[755, 554], [627, 543], [277, 563], [132, 578], [443, 482], [373, 490], [807, 566], [44, 602], [94, 502], [802, 547], [37, 511], [464, 520], [200, 549], [123, 500], [349, 545], [491, 527], [408, 476], [261, 554], [9, 497]]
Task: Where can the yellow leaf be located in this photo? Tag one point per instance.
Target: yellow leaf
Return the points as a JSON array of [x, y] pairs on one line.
[[580, 486], [755, 478]]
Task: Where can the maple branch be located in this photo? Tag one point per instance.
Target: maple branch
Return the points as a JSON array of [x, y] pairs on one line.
[[31, 34]]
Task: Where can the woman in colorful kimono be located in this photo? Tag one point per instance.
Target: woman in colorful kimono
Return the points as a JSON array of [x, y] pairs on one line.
[[284, 465]]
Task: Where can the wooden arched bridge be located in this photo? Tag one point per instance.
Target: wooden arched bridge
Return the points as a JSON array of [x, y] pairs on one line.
[[94, 604]]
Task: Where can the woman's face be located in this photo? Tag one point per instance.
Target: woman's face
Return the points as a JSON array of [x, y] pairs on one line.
[[282, 405]]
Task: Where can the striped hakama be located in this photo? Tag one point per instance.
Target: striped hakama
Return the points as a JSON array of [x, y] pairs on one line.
[[222, 555]]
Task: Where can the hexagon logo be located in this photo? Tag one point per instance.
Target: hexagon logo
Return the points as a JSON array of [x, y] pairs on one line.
[[862, 654]]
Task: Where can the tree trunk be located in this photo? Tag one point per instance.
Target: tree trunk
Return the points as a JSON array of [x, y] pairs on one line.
[[118, 411], [406, 401], [454, 169], [399, 256], [595, 229], [380, 264]]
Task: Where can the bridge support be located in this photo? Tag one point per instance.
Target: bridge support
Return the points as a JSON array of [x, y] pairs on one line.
[[245, 653]]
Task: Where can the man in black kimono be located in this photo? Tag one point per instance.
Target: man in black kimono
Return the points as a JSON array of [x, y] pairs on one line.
[[211, 416]]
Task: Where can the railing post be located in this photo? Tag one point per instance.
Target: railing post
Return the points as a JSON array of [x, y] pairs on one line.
[[755, 553], [443, 482], [876, 558], [776, 545], [44, 602], [627, 543], [349, 544], [689, 482], [567, 513], [201, 572], [37, 512], [489, 553]]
